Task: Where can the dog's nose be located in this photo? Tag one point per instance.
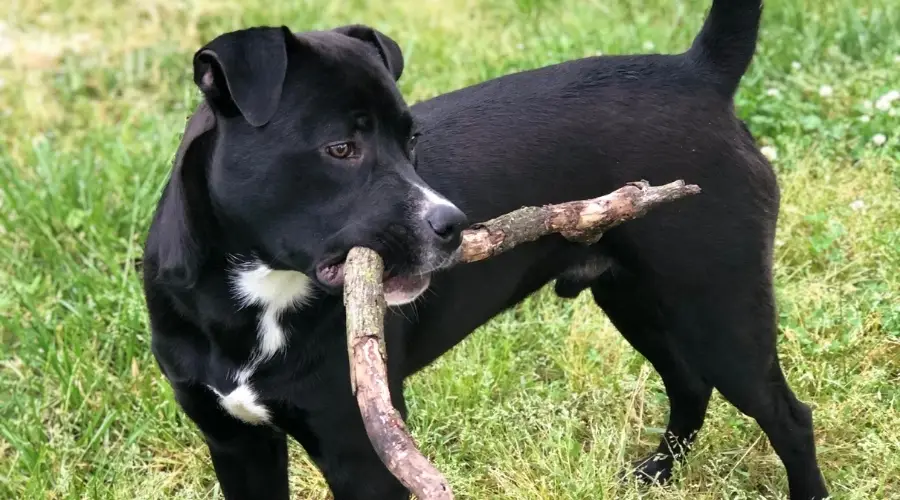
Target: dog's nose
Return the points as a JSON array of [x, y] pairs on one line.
[[447, 222]]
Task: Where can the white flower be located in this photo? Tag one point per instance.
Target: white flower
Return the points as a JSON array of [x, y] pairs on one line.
[[795, 65], [826, 91], [773, 92], [879, 139], [769, 152], [867, 104], [865, 118], [890, 96], [648, 45], [858, 205], [884, 102]]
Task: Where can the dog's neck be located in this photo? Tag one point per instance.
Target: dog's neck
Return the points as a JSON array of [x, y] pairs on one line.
[[262, 315]]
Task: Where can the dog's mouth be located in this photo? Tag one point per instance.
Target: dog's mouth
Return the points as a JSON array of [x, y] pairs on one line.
[[399, 288]]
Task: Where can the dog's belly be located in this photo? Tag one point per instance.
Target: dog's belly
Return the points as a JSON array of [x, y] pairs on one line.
[[467, 296]]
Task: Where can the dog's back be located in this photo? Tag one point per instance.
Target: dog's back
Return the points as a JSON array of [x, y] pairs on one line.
[[621, 106], [579, 128]]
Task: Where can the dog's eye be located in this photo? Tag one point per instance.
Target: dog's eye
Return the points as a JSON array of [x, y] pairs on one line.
[[341, 150]]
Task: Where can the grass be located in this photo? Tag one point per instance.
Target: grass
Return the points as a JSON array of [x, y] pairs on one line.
[[546, 401]]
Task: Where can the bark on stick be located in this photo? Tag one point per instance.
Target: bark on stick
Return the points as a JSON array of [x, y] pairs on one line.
[[582, 221]]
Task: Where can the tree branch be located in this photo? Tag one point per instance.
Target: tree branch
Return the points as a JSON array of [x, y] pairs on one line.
[[582, 221]]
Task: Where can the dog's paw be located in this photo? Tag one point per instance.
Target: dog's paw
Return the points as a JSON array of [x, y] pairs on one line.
[[655, 469]]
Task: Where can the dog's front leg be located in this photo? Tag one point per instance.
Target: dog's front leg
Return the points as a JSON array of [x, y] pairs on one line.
[[251, 462], [251, 465]]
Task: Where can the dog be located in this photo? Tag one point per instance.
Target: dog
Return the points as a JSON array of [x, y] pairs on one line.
[[303, 148]]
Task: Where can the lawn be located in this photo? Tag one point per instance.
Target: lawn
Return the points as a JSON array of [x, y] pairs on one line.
[[544, 402]]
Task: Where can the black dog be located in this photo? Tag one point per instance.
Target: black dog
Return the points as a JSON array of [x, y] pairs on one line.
[[304, 148]]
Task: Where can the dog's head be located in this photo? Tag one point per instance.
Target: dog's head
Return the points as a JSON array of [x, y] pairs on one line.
[[303, 149]]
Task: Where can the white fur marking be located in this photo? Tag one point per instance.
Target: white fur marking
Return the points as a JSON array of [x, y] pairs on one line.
[[243, 375], [274, 291], [256, 284], [432, 198], [241, 403]]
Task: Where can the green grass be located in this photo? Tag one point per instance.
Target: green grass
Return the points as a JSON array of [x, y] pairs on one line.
[[546, 401]]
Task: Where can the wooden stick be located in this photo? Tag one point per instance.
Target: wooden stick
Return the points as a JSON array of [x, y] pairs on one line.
[[364, 300], [583, 221]]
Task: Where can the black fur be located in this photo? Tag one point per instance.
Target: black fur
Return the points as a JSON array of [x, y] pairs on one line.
[[689, 285]]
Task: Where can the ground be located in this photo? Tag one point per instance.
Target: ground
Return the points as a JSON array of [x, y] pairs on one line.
[[546, 401]]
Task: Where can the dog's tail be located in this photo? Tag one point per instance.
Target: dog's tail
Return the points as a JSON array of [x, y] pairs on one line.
[[727, 41]]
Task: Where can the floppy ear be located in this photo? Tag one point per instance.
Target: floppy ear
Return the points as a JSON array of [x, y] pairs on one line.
[[246, 69], [387, 48], [176, 246]]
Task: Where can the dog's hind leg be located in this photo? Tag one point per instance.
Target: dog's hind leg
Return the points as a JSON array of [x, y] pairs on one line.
[[633, 308], [728, 331]]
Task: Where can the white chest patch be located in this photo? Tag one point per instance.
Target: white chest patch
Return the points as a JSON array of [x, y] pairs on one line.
[[274, 292]]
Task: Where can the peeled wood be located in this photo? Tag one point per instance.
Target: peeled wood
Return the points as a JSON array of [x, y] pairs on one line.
[[582, 221]]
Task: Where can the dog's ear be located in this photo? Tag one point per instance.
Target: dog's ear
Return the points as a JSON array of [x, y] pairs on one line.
[[177, 245], [246, 69], [387, 48]]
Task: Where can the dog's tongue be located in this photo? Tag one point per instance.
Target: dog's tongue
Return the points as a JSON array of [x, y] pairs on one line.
[[399, 284], [402, 289]]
